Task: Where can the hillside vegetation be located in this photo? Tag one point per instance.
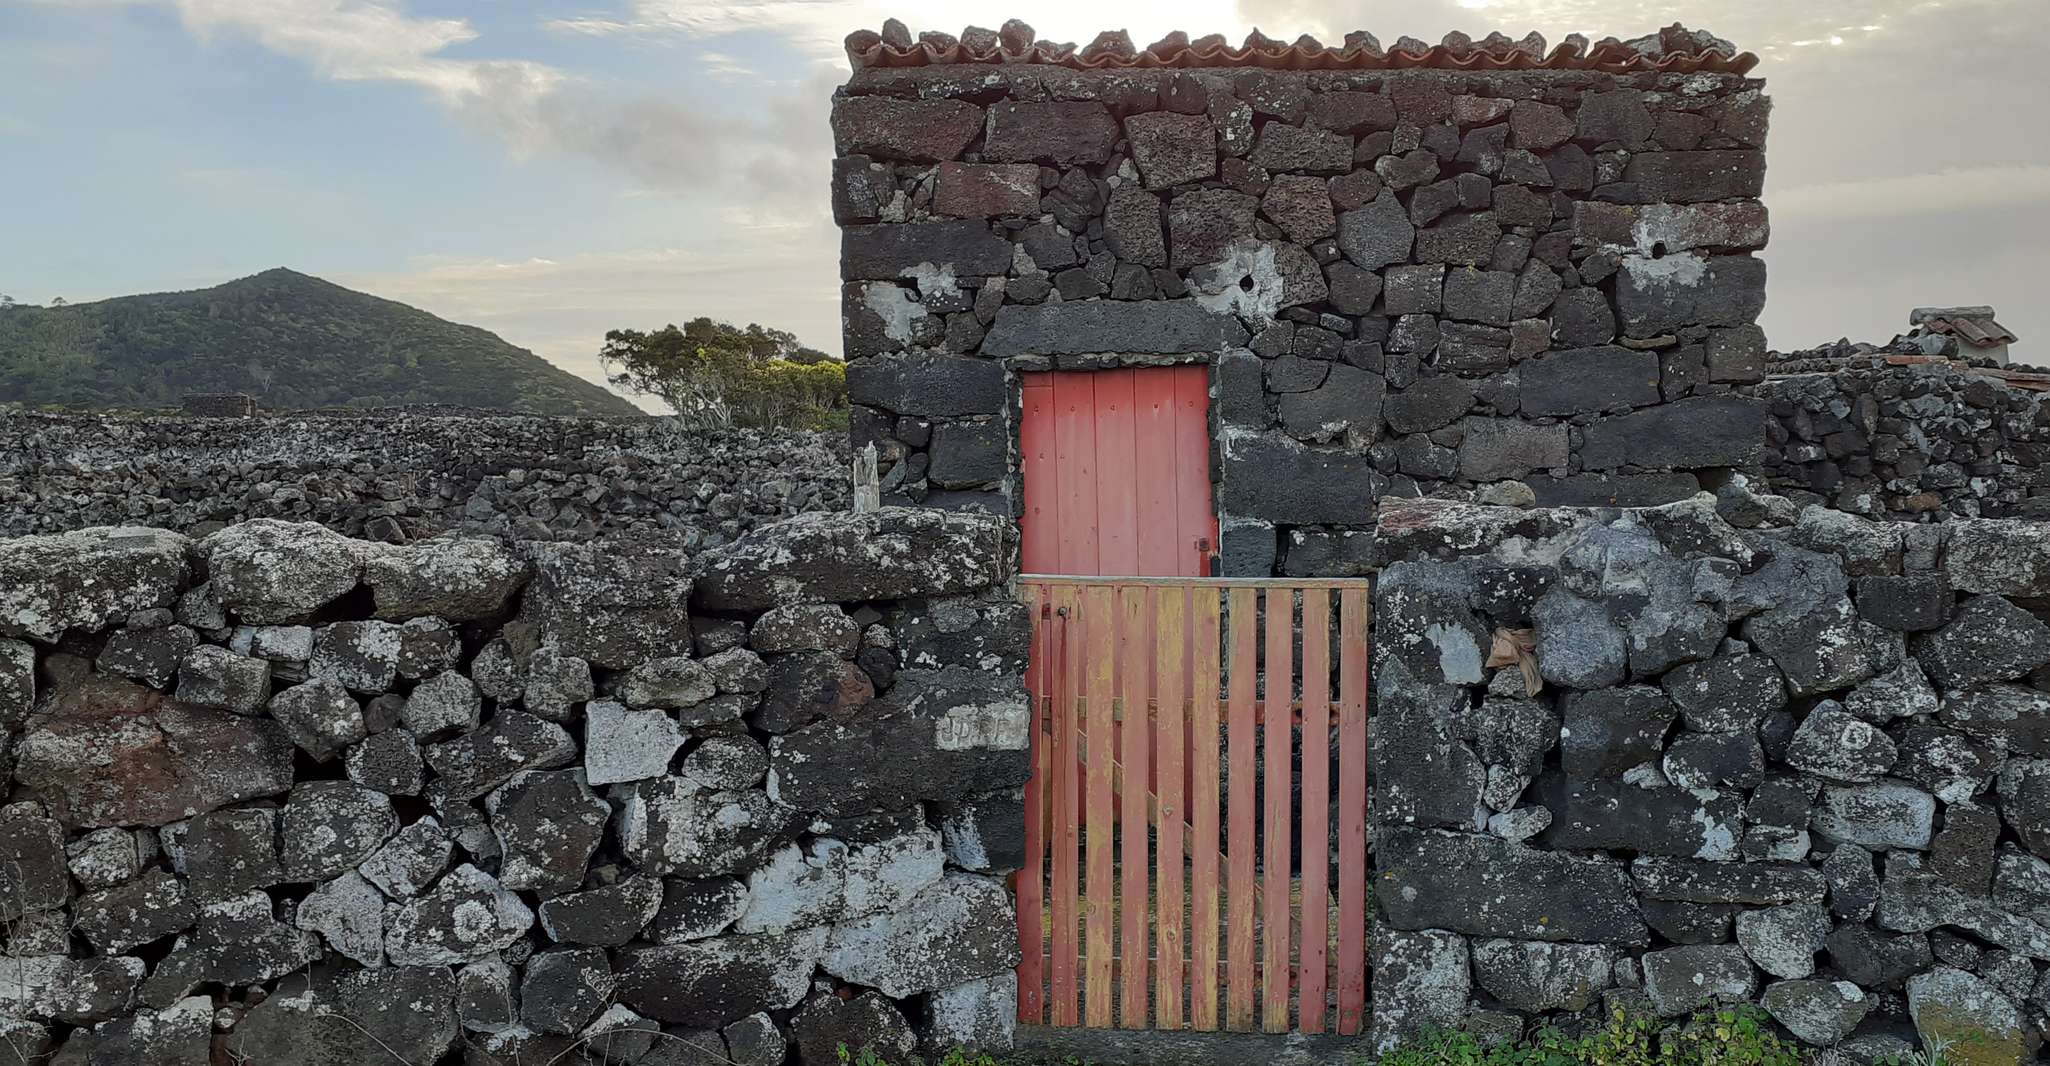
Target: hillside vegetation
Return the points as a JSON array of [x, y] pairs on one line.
[[290, 340]]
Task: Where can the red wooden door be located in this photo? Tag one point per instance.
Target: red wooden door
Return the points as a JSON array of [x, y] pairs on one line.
[[1117, 472]]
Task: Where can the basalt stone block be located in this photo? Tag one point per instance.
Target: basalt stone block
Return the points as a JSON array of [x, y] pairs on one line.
[[468, 916], [1588, 380], [1658, 296], [239, 941], [986, 190], [33, 875], [1203, 224], [1752, 883], [942, 734], [328, 827], [697, 909], [1690, 923], [1428, 404], [1883, 815], [1172, 149], [1149, 327], [1132, 227], [1062, 134], [1536, 976], [1421, 981], [2006, 557], [1693, 177], [1679, 822], [1482, 296], [1301, 206], [719, 981], [864, 1024], [1614, 490], [1482, 886], [1328, 553], [1835, 745], [674, 825], [893, 554], [2007, 718], [1495, 449], [512, 741], [410, 860], [885, 252], [271, 572], [1876, 960], [1911, 604], [1460, 240], [403, 1013], [1347, 404], [1378, 234], [1685, 979], [1970, 1018], [1284, 147], [1606, 732], [548, 824], [1666, 228], [1987, 639], [147, 655], [955, 930], [1278, 480], [105, 752], [916, 131], [462, 580], [1703, 431], [928, 385], [1783, 940]]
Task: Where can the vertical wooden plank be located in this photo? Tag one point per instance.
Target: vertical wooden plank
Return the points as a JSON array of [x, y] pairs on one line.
[[1066, 662], [1099, 665], [1170, 671], [1041, 526], [1162, 552], [1075, 462], [1240, 812], [1195, 518], [1205, 790], [1312, 988], [1030, 881], [1135, 683], [1352, 810], [1117, 505], [1278, 727]]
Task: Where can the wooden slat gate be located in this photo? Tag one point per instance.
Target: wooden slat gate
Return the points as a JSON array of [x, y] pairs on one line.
[[1180, 843]]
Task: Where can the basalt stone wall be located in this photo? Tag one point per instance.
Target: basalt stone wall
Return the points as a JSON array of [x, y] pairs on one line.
[[279, 796], [1403, 280], [1785, 757], [1913, 442], [404, 474]]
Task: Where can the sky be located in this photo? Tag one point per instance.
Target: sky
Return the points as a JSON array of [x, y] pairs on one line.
[[551, 169]]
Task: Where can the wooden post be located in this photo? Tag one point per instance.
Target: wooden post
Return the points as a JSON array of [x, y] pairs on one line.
[[868, 495]]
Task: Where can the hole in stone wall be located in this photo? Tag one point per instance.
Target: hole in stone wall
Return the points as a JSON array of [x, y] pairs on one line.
[[1246, 284], [1658, 249]]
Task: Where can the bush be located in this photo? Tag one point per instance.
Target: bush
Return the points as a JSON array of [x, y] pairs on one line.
[[1735, 1037]]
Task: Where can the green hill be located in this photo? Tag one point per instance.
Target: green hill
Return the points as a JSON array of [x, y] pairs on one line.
[[290, 340]]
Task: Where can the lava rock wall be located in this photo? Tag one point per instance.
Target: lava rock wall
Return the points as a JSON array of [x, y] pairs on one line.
[[1535, 281], [1780, 756], [403, 475], [278, 796], [1911, 442]]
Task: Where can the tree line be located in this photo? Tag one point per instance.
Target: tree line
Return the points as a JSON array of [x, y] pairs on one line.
[[718, 374]]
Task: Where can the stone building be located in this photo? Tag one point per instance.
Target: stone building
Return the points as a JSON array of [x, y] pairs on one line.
[[1976, 334], [1477, 265]]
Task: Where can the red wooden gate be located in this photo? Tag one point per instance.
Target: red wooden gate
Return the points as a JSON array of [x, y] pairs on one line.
[[1144, 844]]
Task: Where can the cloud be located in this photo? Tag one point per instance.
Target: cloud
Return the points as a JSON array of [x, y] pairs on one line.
[[534, 108], [1919, 194]]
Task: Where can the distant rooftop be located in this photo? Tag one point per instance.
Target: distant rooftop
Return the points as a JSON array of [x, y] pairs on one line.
[[1972, 325], [1674, 49]]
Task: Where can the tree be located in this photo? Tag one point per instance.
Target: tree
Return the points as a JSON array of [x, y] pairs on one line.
[[716, 374]]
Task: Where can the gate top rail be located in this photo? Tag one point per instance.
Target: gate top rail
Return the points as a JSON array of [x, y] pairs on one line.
[[1202, 582]]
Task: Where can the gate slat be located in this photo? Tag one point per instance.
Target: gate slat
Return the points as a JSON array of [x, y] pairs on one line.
[[1030, 881], [1204, 794], [1099, 611], [1352, 808], [1170, 659], [1312, 987], [1066, 809], [1278, 729], [1135, 649], [1240, 812]]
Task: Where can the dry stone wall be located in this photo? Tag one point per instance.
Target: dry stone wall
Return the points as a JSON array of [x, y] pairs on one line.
[[407, 474], [1780, 755], [1910, 442], [276, 795], [1404, 280]]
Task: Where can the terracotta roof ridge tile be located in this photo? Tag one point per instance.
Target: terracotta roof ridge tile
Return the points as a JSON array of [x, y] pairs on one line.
[[1674, 49]]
